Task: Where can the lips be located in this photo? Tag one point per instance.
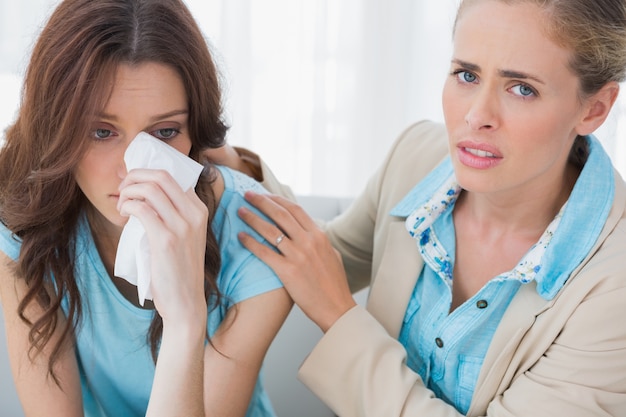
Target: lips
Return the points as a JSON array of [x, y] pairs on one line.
[[478, 155], [479, 149]]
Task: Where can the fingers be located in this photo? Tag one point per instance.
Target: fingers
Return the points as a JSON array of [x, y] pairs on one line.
[[288, 215], [267, 230], [176, 224], [310, 269], [261, 251], [157, 200], [293, 232], [160, 180]]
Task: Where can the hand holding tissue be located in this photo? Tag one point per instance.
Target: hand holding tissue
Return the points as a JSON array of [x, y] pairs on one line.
[[132, 261]]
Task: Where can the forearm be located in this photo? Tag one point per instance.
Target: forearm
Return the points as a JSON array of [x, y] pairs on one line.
[[38, 392], [178, 381]]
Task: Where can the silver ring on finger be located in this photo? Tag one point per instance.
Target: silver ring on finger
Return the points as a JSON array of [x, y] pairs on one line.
[[279, 239]]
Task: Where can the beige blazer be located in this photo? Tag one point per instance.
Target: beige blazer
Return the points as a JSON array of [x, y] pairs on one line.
[[564, 357]]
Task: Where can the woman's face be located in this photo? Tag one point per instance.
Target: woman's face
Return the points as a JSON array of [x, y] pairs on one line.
[[510, 102], [149, 97]]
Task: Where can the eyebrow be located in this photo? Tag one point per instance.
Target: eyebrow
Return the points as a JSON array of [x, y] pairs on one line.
[[152, 119], [503, 73]]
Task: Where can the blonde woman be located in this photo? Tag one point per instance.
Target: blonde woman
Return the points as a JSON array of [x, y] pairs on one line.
[[493, 246]]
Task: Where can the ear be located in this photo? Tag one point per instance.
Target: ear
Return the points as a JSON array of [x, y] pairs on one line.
[[596, 108]]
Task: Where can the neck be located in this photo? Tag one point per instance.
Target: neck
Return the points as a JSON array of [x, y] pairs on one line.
[[519, 213], [106, 237]]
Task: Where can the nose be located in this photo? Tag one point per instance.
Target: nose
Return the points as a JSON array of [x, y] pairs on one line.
[[483, 110], [121, 170], [121, 165]]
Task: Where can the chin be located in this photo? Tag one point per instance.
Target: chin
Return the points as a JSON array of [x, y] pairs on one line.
[[476, 182], [117, 220]]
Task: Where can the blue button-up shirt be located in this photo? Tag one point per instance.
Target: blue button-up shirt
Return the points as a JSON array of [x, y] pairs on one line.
[[447, 349]]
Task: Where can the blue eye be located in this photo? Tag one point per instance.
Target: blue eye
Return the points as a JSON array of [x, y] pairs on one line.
[[465, 76], [468, 77], [523, 90]]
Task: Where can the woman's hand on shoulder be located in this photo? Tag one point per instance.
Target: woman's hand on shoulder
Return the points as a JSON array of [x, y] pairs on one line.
[[307, 264]]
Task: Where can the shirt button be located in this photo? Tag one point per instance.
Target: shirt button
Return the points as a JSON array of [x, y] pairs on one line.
[[439, 342], [481, 304]]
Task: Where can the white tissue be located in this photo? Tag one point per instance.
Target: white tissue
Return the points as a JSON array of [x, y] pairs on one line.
[[132, 261]]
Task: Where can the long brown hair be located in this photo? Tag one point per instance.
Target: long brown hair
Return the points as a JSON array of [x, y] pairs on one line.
[[69, 79]]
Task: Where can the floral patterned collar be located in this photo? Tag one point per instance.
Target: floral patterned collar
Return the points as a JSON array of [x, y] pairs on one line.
[[419, 223], [565, 243]]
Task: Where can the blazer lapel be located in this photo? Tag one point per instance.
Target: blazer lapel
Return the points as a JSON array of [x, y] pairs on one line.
[[518, 319], [395, 278], [498, 367]]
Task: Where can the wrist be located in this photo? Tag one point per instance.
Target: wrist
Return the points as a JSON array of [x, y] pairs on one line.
[[326, 322], [189, 331], [188, 323]]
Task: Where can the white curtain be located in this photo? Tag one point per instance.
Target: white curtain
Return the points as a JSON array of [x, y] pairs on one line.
[[320, 88]]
